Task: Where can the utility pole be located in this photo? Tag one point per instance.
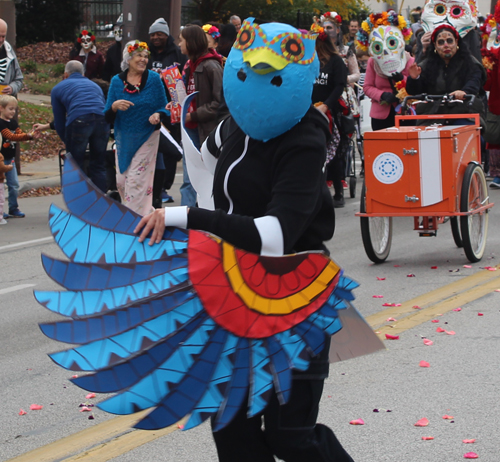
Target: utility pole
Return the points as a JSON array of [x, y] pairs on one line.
[[8, 14]]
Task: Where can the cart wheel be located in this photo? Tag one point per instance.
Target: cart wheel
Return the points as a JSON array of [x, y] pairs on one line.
[[352, 186], [474, 227], [376, 233], [455, 231]]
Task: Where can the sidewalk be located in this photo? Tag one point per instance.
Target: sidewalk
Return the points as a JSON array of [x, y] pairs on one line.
[[42, 173]]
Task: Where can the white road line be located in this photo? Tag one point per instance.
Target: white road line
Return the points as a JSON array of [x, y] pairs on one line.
[[14, 288], [20, 244]]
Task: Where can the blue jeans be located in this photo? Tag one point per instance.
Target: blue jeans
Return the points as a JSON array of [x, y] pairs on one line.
[[91, 130], [188, 194], [13, 186]]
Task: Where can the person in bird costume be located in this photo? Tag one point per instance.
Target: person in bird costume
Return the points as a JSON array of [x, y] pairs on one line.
[[224, 312]]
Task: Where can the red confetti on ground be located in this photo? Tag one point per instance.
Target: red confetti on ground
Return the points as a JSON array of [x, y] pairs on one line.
[[36, 407], [90, 396], [85, 409], [357, 422], [428, 342], [416, 307], [471, 455], [422, 422], [380, 279], [391, 319], [397, 266], [411, 275], [497, 290], [468, 441], [448, 417], [467, 266], [457, 309], [427, 438], [378, 296], [180, 426], [490, 268], [74, 376], [391, 337], [22, 412], [424, 364], [391, 304], [434, 267], [435, 320], [450, 332], [440, 329], [480, 314]]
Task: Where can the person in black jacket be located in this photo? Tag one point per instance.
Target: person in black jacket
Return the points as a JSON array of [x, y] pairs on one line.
[[327, 90], [164, 53], [114, 55]]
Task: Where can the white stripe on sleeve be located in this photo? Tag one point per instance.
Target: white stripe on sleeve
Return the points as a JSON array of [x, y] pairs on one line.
[[271, 235]]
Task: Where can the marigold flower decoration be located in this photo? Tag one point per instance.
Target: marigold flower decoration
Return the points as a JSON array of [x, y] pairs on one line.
[[87, 33], [401, 88], [319, 30], [211, 30], [138, 46], [387, 18], [487, 27]]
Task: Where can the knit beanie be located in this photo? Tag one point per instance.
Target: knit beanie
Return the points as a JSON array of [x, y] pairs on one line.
[[160, 25]]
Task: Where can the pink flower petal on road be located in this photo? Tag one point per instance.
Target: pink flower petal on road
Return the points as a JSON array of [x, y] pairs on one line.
[[424, 364], [85, 409], [457, 309], [416, 307], [467, 266], [380, 279], [434, 267], [428, 342], [497, 290], [480, 314], [427, 438], [36, 407], [378, 296], [468, 441], [411, 275], [90, 396], [357, 422], [397, 266], [435, 320], [74, 376], [450, 332], [440, 329], [391, 337], [22, 412], [422, 422], [391, 319], [448, 417], [180, 426], [471, 455]]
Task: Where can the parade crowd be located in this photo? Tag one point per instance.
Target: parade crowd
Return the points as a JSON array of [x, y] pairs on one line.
[[277, 144]]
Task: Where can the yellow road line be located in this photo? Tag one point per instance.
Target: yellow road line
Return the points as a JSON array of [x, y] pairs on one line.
[[114, 437]]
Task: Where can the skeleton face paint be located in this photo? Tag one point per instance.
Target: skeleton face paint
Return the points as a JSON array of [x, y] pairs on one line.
[[387, 48], [118, 32], [86, 42], [461, 14]]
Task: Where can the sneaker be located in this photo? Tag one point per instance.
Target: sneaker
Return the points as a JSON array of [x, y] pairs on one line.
[[3, 221], [5, 216], [166, 197], [16, 214], [344, 184], [329, 184], [338, 203], [495, 183]]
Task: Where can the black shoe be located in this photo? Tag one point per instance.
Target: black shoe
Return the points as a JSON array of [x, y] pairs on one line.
[[338, 203]]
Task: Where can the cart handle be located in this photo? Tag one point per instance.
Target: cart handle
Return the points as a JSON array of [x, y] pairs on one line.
[[439, 116]]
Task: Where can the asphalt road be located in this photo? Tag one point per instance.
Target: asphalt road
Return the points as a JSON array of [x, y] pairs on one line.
[[462, 380]]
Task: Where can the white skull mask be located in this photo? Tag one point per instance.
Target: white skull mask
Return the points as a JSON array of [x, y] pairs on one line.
[[118, 32], [387, 48], [493, 43], [462, 15], [86, 42]]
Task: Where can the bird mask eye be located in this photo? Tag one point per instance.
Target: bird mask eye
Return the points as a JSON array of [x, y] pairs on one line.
[[292, 48], [245, 38]]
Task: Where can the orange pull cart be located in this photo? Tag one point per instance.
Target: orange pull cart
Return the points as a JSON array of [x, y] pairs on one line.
[[429, 173]]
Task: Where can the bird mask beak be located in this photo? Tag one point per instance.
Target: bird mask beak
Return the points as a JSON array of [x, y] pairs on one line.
[[264, 60]]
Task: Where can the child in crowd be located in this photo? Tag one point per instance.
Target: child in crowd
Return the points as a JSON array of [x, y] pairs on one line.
[[11, 134], [3, 168]]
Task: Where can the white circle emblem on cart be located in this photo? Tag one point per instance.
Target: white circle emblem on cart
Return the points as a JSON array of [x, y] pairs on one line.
[[388, 168]]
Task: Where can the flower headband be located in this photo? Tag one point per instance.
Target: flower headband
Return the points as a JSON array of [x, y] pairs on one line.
[[211, 30], [86, 33], [442, 27], [317, 29], [331, 16], [387, 18], [138, 46], [487, 27]]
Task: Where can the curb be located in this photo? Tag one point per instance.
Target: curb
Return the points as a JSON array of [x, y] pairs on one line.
[[49, 182]]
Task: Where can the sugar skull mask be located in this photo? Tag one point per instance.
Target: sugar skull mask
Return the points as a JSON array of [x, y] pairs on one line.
[[118, 33], [387, 48], [462, 15]]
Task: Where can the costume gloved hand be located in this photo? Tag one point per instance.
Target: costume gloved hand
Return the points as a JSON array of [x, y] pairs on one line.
[[389, 97], [397, 77]]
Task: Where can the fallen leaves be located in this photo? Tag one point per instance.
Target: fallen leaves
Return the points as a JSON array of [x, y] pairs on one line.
[[39, 192]]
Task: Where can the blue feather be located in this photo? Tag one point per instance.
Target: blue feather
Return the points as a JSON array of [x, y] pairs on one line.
[[261, 379]]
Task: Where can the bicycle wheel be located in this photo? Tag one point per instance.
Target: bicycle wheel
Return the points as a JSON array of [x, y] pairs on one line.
[[376, 233], [474, 227], [455, 231]]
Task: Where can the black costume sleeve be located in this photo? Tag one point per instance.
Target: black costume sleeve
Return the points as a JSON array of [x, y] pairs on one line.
[[340, 81]]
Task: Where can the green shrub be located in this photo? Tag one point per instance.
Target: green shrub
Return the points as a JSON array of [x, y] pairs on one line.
[[58, 70], [30, 66]]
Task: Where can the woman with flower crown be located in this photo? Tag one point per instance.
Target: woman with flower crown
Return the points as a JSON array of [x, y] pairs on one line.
[[136, 102]]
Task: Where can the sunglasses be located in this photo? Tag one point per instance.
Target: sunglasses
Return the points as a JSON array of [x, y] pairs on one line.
[[441, 42]]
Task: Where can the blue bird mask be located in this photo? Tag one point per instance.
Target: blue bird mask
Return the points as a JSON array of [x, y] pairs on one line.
[[269, 77]]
